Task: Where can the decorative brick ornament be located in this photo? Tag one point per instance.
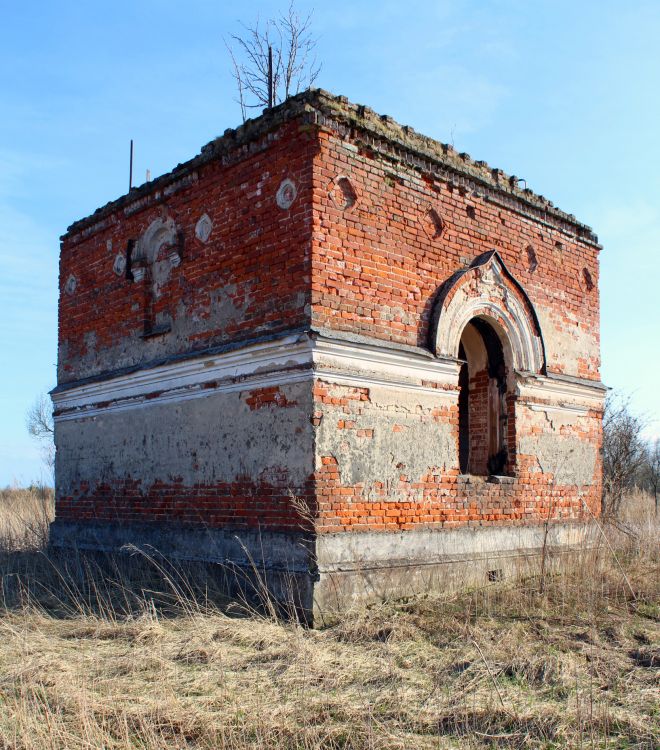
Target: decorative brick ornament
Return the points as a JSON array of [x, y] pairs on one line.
[[161, 234], [432, 223], [71, 285], [587, 280], [558, 252], [119, 266], [286, 194], [203, 228], [487, 290], [343, 194], [531, 259]]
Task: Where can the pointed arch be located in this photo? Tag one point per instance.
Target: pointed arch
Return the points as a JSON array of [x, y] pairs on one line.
[[489, 291]]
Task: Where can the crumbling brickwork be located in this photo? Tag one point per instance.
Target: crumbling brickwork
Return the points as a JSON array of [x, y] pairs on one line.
[[328, 325]]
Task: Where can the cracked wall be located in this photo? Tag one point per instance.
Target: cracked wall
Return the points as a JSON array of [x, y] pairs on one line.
[[570, 460], [387, 459], [381, 436], [561, 443]]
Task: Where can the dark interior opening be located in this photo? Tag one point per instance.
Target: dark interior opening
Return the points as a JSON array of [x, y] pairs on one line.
[[463, 414], [482, 402]]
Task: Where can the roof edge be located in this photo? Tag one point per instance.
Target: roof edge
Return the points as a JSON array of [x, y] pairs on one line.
[[337, 112]]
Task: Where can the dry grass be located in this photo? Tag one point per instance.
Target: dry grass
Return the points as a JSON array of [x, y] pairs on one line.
[[499, 667], [24, 517]]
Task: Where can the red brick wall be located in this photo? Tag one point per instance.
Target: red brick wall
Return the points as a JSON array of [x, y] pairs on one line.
[[479, 422], [240, 504], [377, 267], [256, 263]]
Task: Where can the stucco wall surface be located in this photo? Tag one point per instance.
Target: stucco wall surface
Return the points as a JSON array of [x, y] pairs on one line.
[[225, 458]]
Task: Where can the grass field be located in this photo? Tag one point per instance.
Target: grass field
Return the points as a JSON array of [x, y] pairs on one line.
[[505, 666]]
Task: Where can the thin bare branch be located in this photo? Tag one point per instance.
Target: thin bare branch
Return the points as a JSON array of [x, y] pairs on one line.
[[39, 423], [295, 66]]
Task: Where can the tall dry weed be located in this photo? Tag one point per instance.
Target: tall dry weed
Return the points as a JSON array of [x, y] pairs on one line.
[[109, 658], [25, 515]]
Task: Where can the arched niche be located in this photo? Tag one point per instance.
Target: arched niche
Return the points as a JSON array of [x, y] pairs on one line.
[[158, 250], [150, 261]]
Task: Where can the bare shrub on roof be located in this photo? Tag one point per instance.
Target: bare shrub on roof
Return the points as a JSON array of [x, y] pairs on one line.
[[294, 64]]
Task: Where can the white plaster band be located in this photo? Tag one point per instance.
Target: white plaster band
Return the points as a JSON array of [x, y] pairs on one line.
[[535, 390], [287, 360], [296, 358], [330, 356], [182, 394]]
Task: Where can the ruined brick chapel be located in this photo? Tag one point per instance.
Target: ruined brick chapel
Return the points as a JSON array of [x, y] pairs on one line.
[[334, 349]]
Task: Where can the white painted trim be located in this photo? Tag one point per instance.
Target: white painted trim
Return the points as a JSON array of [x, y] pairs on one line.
[[289, 360], [187, 373], [562, 395], [298, 358], [482, 292], [185, 394], [332, 356]]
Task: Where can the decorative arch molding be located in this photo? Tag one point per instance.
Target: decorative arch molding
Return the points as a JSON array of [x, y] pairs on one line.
[[150, 261], [161, 232], [487, 290]]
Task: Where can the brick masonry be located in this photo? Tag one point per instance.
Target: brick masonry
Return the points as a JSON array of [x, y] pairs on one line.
[[270, 339]]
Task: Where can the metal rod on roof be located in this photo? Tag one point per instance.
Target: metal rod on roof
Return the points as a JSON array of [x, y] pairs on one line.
[[130, 169], [271, 93]]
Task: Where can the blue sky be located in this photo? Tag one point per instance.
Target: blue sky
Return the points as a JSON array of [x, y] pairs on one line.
[[564, 94]]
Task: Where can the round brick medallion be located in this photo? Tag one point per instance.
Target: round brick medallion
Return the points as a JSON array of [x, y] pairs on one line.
[[70, 286], [286, 194]]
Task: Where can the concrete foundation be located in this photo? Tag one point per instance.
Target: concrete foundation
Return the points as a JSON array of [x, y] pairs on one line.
[[321, 577], [375, 567]]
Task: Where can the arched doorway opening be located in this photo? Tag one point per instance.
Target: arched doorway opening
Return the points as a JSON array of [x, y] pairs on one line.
[[483, 403]]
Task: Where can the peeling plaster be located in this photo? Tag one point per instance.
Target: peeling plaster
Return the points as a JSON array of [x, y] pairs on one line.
[[406, 440], [225, 306], [572, 461], [203, 441], [566, 343]]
